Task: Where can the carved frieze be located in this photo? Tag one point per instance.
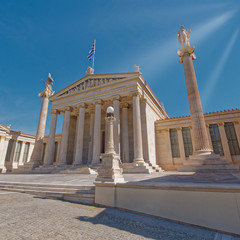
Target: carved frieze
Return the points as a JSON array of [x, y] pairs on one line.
[[89, 83]]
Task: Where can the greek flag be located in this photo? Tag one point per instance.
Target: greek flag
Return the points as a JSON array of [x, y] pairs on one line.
[[91, 53]]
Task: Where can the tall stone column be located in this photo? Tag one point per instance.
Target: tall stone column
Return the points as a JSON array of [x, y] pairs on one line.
[[181, 144], [137, 130], [51, 139], [20, 162], [237, 130], [37, 151], [97, 134], [224, 141], [209, 136], [3, 152], [64, 140], [80, 132], [90, 145], [116, 124], [200, 136], [125, 140], [203, 158]]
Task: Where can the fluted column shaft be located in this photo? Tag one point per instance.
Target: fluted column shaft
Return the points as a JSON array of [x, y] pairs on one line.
[[200, 137], [137, 133], [64, 140], [37, 151], [116, 125], [90, 145], [51, 139], [80, 133], [125, 140], [97, 134]]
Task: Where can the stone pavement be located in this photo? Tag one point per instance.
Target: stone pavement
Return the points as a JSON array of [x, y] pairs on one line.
[[24, 216]]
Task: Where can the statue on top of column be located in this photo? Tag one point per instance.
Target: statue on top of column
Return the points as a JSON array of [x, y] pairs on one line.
[[47, 92], [184, 36]]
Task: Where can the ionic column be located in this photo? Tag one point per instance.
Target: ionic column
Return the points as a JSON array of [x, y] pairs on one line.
[[137, 130], [80, 132], [224, 141], [209, 136], [90, 145], [97, 134], [200, 137], [51, 139], [20, 163], [4, 143], [125, 140], [64, 140], [30, 151], [237, 130], [116, 125], [181, 144]]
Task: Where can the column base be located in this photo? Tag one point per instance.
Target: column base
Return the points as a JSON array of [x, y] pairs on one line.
[[208, 163], [3, 169], [110, 170], [137, 167]]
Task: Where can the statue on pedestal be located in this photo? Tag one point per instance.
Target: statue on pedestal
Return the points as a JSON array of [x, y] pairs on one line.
[[184, 36]]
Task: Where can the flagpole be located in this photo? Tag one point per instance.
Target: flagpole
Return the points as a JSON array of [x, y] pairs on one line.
[[94, 54]]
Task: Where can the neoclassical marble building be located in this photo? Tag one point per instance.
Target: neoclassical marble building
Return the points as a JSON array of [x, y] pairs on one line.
[[83, 105], [15, 148]]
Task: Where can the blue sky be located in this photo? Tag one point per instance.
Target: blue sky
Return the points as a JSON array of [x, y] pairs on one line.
[[38, 37]]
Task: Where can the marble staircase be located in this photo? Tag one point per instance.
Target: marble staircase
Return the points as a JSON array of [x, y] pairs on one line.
[[78, 194]]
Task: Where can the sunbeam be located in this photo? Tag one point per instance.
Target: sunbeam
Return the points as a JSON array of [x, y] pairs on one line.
[[162, 57], [218, 70]]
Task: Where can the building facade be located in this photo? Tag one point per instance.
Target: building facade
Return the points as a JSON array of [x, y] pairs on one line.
[[83, 105], [174, 138], [15, 148]]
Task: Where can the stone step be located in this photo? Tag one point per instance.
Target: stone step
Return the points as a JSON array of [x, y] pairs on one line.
[[78, 197], [206, 162], [210, 168], [48, 185], [49, 189]]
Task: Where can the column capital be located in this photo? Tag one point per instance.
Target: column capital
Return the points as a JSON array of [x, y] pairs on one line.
[[207, 125], [236, 122], [117, 97], [179, 128], [136, 94], [220, 124], [98, 102], [143, 99], [125, 105], [164, 130], [186, 51], [68, 109], [54, 111], [81, 105]]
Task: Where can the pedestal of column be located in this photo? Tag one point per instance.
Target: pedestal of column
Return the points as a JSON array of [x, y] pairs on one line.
[[203, 158]]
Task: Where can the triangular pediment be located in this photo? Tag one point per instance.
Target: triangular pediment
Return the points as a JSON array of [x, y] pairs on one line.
[[3, 128], [91, 82]]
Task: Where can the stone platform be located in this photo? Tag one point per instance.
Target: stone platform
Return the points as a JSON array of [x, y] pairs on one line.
[[202, 199]]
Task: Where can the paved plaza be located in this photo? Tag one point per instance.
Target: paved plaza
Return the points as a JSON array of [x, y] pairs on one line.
[[24, 216]]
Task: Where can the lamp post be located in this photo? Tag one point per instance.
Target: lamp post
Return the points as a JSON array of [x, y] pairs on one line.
[[110, 170]]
